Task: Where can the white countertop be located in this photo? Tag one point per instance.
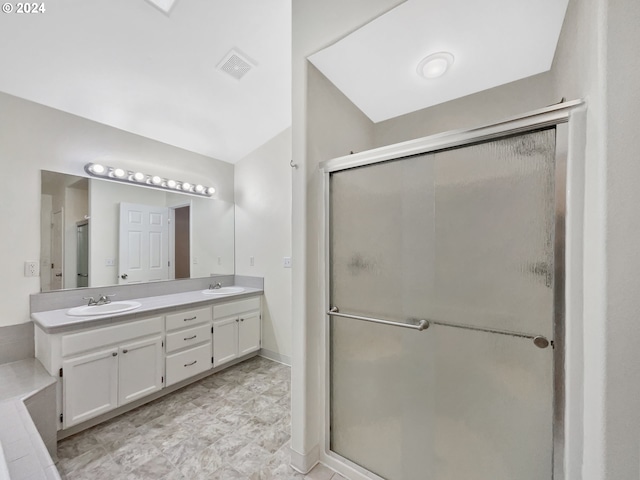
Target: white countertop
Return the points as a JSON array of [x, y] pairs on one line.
[[57, 321]]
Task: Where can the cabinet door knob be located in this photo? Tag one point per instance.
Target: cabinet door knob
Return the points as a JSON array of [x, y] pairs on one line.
[[242, 319], [237, 320], [125, 350], [114, 354]]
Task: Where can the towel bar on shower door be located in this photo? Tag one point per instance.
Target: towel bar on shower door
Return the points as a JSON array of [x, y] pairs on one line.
[[538, 340], [421, 325]]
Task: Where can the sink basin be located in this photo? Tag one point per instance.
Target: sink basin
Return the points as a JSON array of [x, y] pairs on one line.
[[223, 291], [113, 307]]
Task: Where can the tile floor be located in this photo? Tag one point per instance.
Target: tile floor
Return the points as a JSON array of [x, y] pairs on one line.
[[232, 425]]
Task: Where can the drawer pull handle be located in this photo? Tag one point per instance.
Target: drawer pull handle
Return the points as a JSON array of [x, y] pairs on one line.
[[190, 338], [125, 351], [114, 354], [192, 363], [189, 319]]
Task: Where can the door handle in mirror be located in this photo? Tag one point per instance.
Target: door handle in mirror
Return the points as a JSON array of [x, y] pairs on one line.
[[124, 276], [58, 274]]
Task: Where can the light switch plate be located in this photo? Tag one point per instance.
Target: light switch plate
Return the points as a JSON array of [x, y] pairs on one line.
[[287, 262]]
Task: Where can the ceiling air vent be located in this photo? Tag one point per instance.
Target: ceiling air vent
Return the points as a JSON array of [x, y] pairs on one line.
[[235, 64]]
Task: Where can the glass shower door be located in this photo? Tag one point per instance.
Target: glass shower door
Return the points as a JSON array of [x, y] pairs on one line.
[[462, 238]]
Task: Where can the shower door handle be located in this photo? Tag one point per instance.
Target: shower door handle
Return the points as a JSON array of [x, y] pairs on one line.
[[420, 325]]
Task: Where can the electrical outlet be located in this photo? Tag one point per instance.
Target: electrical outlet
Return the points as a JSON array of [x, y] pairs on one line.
[[287, 262], [110, 262], [31, 269], [252, 261], [195, 260], [219, 261]]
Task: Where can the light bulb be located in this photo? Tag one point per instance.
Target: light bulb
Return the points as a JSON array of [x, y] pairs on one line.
[[199, 188], [435, 65], [118, 172], [171, 183], [156, 180], [138, 176], [97, 169], [211, 190], [186, 186]]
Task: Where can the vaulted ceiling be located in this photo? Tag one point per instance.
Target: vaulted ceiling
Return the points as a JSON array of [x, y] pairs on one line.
[[214, 76], [492, 42], [131, 65]]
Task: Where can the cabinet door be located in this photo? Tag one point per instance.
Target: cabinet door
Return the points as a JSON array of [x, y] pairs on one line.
[[249, 333], [140, 369], [90, 385], [225, 340]]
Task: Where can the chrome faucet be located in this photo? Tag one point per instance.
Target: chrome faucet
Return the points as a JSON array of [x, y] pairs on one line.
[[216, 286], [102, 300]]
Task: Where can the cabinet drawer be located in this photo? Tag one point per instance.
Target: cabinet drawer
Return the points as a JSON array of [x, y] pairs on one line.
[[187, 318], [188, 337], [188, 363], [233, 308], [100, 337]]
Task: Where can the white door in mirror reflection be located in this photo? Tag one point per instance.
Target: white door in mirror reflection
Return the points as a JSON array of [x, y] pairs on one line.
[[144, 243]]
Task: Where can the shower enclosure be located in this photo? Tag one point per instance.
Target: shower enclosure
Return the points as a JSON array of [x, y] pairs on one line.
[[445, 308]]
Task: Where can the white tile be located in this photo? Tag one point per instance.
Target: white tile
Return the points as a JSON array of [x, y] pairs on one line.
[[320, 472], [17, 449], [24, 467], [51, 473]]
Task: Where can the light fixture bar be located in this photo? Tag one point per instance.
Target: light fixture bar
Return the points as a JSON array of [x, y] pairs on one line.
[[154, 181]]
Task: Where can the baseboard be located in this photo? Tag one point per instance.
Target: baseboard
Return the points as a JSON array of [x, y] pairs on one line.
[[304, 462], [276, 357]]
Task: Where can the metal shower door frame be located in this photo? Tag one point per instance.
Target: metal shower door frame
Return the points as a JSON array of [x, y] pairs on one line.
[[555, 116]]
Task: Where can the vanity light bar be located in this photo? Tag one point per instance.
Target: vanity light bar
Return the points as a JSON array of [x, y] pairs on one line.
[[138, 178]]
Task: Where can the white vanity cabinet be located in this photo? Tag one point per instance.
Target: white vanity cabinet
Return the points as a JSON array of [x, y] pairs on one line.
[[236, 330], [104, 368], [188, 344]]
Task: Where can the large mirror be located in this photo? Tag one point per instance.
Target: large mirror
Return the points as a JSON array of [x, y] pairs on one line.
[[98, 232]]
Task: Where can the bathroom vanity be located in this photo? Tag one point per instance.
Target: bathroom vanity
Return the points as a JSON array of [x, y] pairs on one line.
[[109, 363]]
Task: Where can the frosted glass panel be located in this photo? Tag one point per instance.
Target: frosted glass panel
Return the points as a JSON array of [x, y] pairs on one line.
[[465, 237], [382, 247], [494, 234], [443, 404]]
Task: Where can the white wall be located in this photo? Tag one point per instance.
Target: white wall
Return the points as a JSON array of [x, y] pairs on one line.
[[263, 231], [34, 137], [620, 323]]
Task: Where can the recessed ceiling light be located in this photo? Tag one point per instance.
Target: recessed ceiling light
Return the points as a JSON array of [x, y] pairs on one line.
[[435, 65]]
